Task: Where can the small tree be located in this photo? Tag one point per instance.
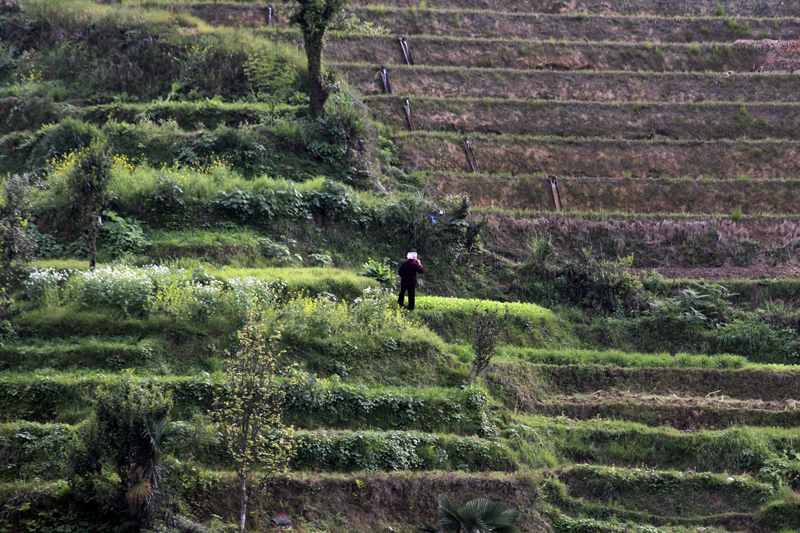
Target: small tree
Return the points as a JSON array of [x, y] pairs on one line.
[[248, 410], [476, 516], [314, 17], [88, 190], [17, 246], [487, 335], [129, 423]]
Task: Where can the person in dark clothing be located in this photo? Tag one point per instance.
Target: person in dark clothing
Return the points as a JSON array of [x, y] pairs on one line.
[[408, 279]]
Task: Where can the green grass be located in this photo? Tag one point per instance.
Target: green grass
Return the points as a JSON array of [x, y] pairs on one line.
[[628, 444], [523, 323], [82, 352], [627, 359], [398, 401], [72, 321], [64, 264], [525, 312]]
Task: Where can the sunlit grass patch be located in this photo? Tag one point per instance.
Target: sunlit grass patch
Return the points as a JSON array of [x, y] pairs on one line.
[[522, 311]]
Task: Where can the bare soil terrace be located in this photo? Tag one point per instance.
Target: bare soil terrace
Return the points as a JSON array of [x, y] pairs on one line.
[[631, 195], [443, 82], [618, 120], [601, 157], [545, 55]]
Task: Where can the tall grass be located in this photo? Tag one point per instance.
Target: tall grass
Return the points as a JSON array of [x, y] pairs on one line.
[[134, 183], [622, 359]]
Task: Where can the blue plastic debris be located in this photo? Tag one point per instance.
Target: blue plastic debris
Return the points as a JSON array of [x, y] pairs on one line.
[[281, 521]]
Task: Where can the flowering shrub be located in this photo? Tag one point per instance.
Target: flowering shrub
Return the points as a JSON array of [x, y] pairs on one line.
[[245, 294], [319, 316], [43, 286], [161, 275], [124, 289], [188, 299], [376, 310]]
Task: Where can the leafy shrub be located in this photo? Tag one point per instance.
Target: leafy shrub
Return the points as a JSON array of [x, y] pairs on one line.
[[33, 447], [236, 203], [120, 236], [87, 184], [130, 419], [380, 272], [759, 342], [68, 135], [167, 195], [16, 241], [283, 201], [354, 25], [397, 450], [600, 285], [702, 305], [137, 292], [782, 470], [270, 78], [7, 61], [488, 331], [330, 403], [335, 201]]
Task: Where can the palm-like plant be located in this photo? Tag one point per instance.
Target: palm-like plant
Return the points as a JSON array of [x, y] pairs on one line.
[[143, 474], [476, 516]]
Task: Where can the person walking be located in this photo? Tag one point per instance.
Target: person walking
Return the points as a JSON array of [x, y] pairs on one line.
[[408, 278]]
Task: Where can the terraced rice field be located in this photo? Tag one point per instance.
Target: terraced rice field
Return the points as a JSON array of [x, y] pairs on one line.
[[637, 119]]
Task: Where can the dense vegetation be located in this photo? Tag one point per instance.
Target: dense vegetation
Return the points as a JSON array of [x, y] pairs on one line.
[[548, 364]]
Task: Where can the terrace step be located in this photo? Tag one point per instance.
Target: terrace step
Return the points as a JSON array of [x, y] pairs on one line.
[[662, 497], [733, 451], [631, 195], [311, 405], [349, 498], [321, 451], [680, 412], [514, 25], [574, 26], [739, 384], [587, 157], [677, 246], [580, 516], [697, 8], [95, 353], [627, 120], [31, 113], [592, 86], [544, 55]]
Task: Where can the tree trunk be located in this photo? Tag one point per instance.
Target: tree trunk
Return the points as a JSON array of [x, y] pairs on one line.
[[92, 247], [318, 93], [243, 510]]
